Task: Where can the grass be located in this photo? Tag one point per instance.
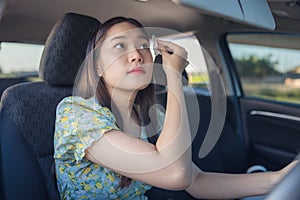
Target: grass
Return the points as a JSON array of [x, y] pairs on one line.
[[278, 92], [275, 91]]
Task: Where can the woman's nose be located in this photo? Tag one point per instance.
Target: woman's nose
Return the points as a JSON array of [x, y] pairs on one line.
[[135, 56]]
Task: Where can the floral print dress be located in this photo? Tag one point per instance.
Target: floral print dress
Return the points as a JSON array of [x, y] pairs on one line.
[[80, 122]]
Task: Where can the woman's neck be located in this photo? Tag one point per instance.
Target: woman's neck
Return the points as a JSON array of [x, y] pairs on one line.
[[123, 102]]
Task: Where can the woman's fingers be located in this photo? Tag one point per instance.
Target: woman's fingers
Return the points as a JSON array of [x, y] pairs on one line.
[[173, 55], [171, 48]]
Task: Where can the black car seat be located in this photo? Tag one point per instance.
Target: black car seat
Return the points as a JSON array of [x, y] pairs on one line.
[[27, 112]]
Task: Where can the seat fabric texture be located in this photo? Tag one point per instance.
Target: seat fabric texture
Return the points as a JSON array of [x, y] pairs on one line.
[[27, 112]]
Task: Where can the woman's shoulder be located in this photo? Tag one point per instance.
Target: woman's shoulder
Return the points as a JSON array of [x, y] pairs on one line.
[[79, 122], [78, 100], [77, 104]]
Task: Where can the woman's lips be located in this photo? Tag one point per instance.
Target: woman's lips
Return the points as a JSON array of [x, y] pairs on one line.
[[137, 70]]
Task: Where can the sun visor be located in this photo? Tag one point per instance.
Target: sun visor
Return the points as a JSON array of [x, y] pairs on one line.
[[253, 12]]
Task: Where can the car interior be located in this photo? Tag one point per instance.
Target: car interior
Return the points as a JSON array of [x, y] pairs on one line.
[[257, 133]]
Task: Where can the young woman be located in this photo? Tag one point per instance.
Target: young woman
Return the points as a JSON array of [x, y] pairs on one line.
[[107, 146]]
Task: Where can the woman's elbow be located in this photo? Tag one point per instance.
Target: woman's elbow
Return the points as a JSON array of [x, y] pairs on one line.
[[181, 179]]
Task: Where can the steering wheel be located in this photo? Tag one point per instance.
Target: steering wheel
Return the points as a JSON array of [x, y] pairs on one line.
[[288, 188]]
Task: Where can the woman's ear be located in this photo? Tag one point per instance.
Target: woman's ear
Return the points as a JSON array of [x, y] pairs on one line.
[[99, 70]]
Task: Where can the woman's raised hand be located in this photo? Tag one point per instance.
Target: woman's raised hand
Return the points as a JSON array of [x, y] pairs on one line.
[[173, 56]]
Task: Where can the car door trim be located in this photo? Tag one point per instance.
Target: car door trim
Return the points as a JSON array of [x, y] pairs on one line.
[[272, 114]]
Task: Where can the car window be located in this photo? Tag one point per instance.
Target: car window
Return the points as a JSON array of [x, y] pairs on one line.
[[268, 65], [19, 59], [19, 63]]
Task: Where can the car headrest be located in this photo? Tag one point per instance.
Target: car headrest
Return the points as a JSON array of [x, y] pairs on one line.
[[65, 49]]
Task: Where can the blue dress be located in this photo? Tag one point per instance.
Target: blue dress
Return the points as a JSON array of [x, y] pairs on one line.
[[80, 122]]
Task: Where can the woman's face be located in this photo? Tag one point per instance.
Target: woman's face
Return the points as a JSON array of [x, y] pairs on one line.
[[125, 61]]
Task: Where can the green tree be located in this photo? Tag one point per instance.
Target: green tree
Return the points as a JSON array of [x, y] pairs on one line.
[[253, 66]]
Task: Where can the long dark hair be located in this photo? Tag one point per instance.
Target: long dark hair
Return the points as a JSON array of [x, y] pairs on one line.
[[90, 84]]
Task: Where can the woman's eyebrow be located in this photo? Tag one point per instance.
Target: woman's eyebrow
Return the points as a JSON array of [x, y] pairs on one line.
[[118, 37], [124, 37]]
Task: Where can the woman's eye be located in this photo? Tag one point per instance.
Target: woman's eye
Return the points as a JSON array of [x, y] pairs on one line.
[[119, 46], [144, 46]]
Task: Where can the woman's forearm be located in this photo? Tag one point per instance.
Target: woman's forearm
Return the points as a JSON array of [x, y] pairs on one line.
[[175, 139], [176, 127], [230, 186], [174, 142], [176, 123]]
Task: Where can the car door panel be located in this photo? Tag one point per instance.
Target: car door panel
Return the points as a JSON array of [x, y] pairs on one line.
[[273, 131]]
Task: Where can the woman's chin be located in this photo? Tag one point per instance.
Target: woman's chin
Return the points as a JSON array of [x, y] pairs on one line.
[[143, 86]]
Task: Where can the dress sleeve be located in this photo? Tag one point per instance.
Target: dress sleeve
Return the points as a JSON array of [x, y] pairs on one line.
[[79, 123]]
